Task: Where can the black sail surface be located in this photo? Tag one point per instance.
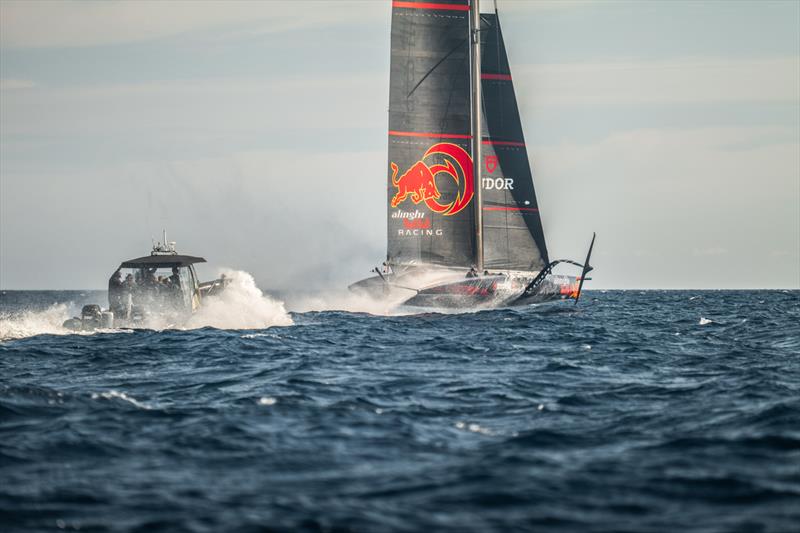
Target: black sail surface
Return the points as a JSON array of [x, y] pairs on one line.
[[430, 186], [512, 228]]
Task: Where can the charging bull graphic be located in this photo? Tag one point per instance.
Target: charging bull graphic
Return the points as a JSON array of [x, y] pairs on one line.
[[419, 181]]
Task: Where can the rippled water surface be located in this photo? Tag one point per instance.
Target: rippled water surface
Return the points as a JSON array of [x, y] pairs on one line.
[[637, 411]]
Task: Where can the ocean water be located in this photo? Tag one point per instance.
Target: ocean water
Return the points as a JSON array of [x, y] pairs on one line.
[[636, 411]]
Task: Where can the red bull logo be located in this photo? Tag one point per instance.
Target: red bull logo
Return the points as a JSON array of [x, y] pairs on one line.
[[418, 183]]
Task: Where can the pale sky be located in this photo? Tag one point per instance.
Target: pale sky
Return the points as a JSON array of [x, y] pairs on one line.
[[255, 132]]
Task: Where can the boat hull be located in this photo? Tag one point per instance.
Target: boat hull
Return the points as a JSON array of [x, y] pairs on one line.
[[455, 291]]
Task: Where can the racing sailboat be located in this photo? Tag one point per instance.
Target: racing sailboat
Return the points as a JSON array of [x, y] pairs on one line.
[[464, 228]]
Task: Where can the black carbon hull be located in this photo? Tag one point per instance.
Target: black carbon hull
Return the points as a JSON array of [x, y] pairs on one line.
[[455, 291]]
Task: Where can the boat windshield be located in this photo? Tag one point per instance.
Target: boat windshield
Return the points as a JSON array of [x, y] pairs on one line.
[[153, 290]]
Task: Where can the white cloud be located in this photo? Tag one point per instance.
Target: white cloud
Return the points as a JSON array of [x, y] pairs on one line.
[[512, 7], [711, 250], [204, 107], [12, 84], [674, 81], [46, 23]]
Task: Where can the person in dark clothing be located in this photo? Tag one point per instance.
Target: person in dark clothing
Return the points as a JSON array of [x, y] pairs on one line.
[[472, 273], [115, 293], [174, 287], [150, 281], [175, 279], [130, 289]]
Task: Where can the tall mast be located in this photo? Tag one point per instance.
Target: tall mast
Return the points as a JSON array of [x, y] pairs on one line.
[[475, 17]]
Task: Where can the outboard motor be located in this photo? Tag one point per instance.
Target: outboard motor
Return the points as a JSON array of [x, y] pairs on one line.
[[91, 316], [107, 320]]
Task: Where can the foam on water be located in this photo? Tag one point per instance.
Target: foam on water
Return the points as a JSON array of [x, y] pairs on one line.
[[113, 394], [344, 300], [29, 323], [241, 305]]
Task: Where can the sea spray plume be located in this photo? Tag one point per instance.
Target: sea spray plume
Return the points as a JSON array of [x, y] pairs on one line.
[[344, 300], [241, 305], [29, 323], [388, 303]]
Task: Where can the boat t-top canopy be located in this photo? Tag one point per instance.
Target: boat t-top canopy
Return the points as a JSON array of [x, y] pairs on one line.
[[162, 261]]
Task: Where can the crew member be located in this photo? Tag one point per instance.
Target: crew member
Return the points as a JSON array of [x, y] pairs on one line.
[[129, 287], [150, 281], [174, 287], [116, 290], [175, 278]]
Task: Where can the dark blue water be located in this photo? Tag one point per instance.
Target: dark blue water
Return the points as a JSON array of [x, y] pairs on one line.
[[625, 414]]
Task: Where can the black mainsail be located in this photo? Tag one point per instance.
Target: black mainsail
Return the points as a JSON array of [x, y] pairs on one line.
[[430, 181]]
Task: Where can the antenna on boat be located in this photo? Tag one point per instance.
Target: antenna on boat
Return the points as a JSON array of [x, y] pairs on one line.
[[163, 248], [586, 268]]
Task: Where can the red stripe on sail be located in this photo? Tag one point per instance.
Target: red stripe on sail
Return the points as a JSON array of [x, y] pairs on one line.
[[522, 209], [430, 5], [429, 135], [502, 143], [506, 77]]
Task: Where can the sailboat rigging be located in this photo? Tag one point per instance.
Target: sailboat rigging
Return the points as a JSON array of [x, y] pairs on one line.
[[460, 190]]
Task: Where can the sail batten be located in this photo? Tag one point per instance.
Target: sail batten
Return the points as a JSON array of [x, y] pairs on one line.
[[502, 143], [430, 135], [449, 6]]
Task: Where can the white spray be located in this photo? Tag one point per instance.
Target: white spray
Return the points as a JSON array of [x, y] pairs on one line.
[[29, 323], [241, 305], [387, 303], [344, 300]]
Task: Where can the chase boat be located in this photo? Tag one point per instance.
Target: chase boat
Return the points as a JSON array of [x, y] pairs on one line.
[[464, 228], [156, 290]]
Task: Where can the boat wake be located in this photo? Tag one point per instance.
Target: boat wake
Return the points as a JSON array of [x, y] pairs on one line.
[[344, 300], [30, 323], [387, 302], [381, 300], [241, 305]]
